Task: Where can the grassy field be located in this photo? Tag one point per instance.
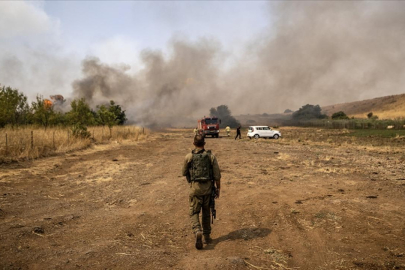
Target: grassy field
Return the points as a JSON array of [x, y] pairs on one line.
[[387, 133], [32, 142]]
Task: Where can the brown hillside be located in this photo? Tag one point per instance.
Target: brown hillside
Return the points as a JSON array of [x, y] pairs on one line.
[[389, 107]]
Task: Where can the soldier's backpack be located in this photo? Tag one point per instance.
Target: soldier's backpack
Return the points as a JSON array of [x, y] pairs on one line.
[[201, 167]]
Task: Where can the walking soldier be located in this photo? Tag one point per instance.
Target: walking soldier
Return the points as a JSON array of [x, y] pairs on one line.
[[202, 172]]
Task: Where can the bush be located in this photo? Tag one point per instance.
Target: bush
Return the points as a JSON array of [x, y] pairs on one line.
[[339, 115], [80, 131], [308, 112]]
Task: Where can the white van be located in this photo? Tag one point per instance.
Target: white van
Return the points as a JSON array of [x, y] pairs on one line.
[[263, 132]]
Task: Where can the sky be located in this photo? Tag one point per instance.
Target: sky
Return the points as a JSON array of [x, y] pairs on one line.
[[189, 56]]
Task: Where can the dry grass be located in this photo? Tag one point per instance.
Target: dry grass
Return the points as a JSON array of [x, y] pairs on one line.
[[373, 140], [32, 142], [388, 107]]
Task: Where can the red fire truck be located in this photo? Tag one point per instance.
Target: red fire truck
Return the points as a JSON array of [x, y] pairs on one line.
[[209, 126]]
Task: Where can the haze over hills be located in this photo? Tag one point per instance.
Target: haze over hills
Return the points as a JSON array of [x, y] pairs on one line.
[[388, 107]]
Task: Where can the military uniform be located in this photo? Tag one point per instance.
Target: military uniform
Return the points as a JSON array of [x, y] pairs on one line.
[[200, 192]]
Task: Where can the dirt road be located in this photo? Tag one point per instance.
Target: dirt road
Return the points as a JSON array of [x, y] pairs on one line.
[[285, 204]]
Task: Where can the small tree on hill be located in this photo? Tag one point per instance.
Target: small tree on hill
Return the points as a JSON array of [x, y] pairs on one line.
[[308, 112], [371, 116], [339, 115]]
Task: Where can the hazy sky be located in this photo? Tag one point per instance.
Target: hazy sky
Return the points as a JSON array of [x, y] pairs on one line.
[[255, 56], [38, 39], [151, 24]]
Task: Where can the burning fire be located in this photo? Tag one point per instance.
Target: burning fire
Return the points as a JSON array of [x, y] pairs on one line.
[[47, 103]]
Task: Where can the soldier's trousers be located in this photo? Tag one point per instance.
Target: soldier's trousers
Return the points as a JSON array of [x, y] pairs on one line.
[[198, 203]]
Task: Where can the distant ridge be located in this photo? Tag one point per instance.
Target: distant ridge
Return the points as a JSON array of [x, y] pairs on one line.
[[388, 107]]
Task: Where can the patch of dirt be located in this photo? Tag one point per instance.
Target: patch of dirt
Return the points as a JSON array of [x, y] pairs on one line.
[[292, 203]]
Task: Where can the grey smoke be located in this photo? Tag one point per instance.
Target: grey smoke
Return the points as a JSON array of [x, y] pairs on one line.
[[180, 86], [320, 52], [325, 52]]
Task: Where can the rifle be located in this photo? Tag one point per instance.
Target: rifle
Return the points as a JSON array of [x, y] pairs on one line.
[[188, 177], [212, 202]]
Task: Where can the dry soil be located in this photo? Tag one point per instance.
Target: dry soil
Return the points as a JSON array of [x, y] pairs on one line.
[[292, 203]]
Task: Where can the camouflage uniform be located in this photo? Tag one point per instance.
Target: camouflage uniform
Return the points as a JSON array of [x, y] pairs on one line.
[[200, 192]]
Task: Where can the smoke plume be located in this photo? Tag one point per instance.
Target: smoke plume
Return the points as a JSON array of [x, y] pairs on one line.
[[324, 52], [320, 52], [181, 86]]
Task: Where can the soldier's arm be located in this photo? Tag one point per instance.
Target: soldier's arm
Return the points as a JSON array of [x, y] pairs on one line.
[[184, 170]]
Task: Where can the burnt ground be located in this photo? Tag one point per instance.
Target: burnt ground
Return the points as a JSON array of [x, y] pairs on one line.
[[285, 204]]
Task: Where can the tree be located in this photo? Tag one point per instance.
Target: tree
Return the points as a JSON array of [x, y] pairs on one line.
[[116, 109], [288, 111], [106, 117], [339, 115], [14, 108], [308, 111], [223, 113], [43, 114], [79, 117], [371, 116], [80, 113]]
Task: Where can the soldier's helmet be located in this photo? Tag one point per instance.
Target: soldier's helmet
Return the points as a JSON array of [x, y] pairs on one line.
[[199, 140]]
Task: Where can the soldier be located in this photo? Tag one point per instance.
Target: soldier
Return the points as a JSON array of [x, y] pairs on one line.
[[202, 172], [228, 130], [238, 133]]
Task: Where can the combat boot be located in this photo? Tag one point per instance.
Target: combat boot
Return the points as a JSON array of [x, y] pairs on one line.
[[207, 239], [198, 240]]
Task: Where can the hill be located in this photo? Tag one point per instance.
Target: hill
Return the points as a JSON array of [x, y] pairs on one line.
[[388, 107]]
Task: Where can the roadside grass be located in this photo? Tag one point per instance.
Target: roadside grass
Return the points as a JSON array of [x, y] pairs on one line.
[[31, 142], [371, 138], [385, 133]]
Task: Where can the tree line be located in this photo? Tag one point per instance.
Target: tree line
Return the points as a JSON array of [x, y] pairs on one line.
[[15, 110], [312, 112], [223, 113]]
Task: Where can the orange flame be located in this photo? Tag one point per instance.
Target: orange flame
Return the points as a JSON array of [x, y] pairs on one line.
[[47, 103]]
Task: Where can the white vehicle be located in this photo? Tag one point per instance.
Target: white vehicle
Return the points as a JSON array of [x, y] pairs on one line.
[[263, 132]]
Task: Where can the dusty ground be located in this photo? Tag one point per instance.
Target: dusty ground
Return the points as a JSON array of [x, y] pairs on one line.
[[310, 200]]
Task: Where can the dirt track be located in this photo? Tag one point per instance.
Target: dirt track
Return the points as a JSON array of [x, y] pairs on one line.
[[284, 204]]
